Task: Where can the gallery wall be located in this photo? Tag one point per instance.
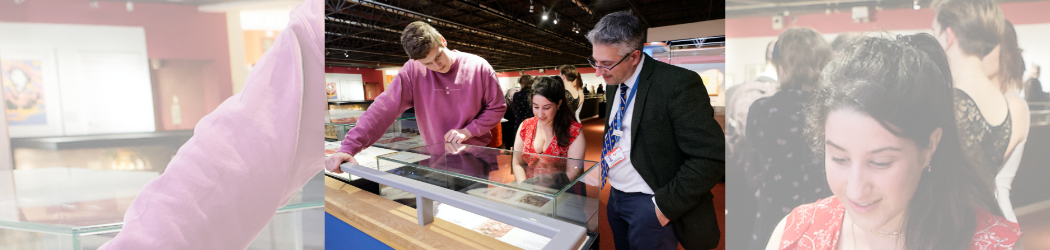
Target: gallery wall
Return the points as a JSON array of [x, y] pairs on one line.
[[55, 86], [173, 32]]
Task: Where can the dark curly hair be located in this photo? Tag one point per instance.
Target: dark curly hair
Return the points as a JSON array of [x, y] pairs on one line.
[[906, 86]]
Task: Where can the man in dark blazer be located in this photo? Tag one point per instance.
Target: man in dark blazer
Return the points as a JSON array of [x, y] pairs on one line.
[[663, 150]]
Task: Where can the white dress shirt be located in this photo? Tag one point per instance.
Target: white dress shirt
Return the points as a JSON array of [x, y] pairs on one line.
[[622, 175]]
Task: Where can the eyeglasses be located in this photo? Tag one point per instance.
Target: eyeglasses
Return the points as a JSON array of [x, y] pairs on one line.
[[594, 63]]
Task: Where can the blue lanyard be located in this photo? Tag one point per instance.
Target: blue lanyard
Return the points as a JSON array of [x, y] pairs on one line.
[[629, 98]]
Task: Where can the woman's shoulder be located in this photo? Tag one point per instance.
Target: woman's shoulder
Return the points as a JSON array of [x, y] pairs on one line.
[[994, 232], [820, 222], [574, 128]]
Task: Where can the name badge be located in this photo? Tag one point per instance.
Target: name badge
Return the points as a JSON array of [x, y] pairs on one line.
[[614, 157], [617, 133]]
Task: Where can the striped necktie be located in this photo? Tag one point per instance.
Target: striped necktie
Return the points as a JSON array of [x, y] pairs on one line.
[[610, 139]]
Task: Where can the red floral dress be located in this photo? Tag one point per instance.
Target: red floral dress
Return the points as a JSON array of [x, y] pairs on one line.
[[545, 165], [817, 226]]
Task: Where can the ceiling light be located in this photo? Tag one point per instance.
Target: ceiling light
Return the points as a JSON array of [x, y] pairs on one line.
[[130, 6], [555, 18], [345, 54], [916, 5], [545, 13], [530, 6]]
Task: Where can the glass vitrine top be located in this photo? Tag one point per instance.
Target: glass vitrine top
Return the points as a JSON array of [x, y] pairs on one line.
[[529, 172]]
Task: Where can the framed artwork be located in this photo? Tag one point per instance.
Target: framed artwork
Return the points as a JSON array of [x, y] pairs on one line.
[[28, 83], [330, 90], [23, 90]]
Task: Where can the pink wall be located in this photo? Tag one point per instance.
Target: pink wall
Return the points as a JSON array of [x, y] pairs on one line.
[[895, 19], [367, 74], [172, 32]]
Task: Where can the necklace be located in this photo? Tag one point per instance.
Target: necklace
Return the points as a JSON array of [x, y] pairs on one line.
[[885, 234], [853, 230]]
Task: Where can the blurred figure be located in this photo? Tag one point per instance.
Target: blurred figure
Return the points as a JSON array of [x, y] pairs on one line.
[[1005, 68], [1035, 93], [573, 88], [969, 30], [844, 42], [782, 167], [522, 104], [882, 121], [740, 98]]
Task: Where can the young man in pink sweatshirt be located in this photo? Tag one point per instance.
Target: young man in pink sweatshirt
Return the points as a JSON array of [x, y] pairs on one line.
[[456, 97]]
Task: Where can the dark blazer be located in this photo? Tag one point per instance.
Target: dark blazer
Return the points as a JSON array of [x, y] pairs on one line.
[[678, 148]]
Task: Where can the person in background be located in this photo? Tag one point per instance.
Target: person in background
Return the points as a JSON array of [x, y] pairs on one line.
[[882, 119], [601, 89], [968, 31], [522, 104], [1035, 93], [573, 89], [456, 97], [845, 41], [1005, 68], [783, 170], [226, 183], [663, 150]]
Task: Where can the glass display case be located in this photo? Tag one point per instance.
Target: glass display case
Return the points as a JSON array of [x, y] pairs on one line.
[[63, 195], [557, 187], [338, 122]]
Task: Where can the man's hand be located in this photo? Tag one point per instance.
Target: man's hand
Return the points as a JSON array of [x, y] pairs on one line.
[[334, 160], [660, 216], [457, 136], [454, 148]]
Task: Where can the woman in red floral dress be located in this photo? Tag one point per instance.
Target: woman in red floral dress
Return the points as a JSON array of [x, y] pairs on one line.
[[553, 131], [883, 121]]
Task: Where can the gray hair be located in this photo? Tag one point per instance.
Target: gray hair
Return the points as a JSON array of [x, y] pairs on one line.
[[620, 29]]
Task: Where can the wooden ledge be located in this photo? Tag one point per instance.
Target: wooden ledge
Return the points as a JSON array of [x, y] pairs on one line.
[[395, 224]]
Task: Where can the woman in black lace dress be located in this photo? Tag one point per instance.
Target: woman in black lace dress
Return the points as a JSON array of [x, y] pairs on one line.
[[983, 114], [573, 88]]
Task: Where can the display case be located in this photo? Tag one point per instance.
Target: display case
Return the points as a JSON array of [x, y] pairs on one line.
[[64, 195], [338, 122], [557, 187]]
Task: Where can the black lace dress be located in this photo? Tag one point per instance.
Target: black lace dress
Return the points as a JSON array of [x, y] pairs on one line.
[[983, 144], [574, 103]]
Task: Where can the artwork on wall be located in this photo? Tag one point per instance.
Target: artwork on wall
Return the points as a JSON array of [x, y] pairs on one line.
[[330, 90], [23, 90], [712, 79]]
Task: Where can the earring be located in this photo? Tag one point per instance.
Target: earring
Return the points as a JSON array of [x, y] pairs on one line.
[[929, 167]]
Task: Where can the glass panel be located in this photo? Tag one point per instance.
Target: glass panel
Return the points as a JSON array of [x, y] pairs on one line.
[[70, 193], [558, 187]]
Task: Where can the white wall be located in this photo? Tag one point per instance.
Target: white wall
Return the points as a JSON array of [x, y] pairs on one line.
[[97, 83], [344, 82], [742, 52]]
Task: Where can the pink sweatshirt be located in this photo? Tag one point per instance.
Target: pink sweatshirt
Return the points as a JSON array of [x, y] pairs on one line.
[[467, 96], [247, 158]]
